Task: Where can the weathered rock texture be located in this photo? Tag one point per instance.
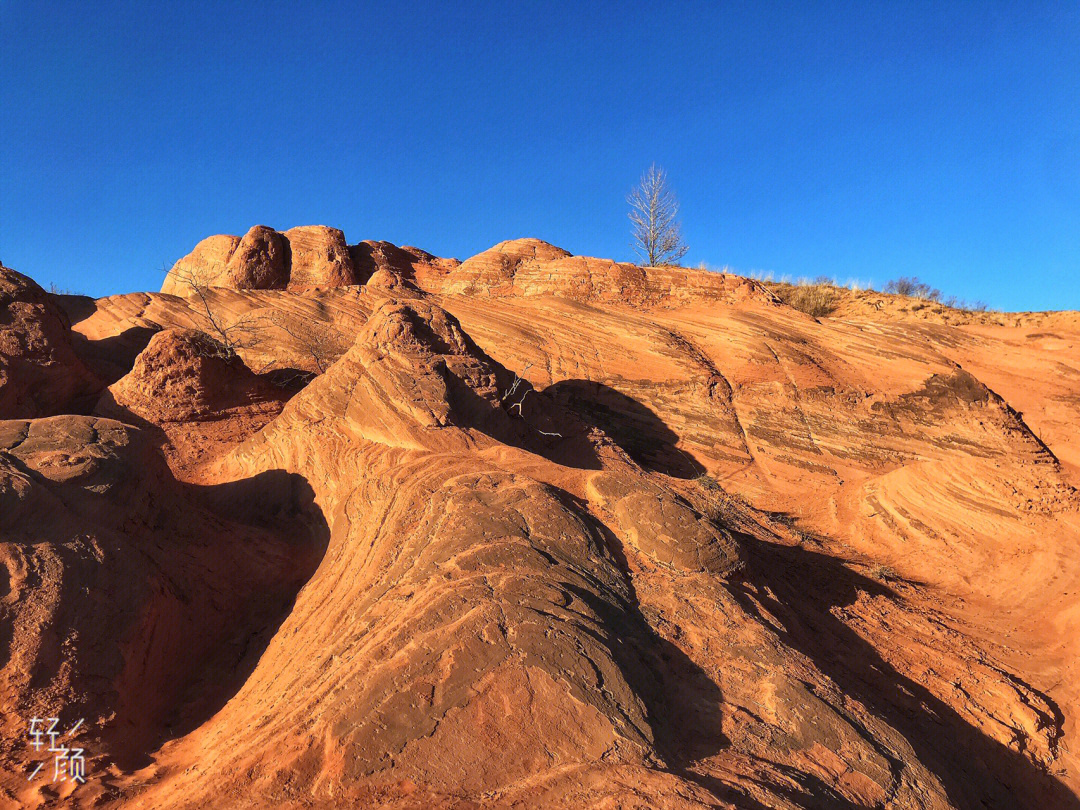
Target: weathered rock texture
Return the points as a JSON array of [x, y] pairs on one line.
[[553, 532], [316, 257], [301, 259], [262, 261], [40, 375], [298, 259], [186, 375]]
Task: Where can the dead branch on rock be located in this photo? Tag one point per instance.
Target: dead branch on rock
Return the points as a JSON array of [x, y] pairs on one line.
[[321, 340], [245, 332], [512, 390]]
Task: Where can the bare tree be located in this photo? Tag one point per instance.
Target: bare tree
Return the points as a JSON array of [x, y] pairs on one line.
[[245, 332], [322, 341], [656, 234]]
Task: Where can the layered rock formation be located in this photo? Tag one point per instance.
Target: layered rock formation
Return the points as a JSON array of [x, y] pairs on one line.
[[317, 257], [553, 531], [298, 259]]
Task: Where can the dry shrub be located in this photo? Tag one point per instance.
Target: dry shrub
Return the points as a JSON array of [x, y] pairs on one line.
[[911, 287], [815, 299], [321, 340]]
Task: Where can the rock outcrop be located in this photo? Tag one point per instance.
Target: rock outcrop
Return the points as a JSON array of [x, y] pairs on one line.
[[492, 272], [207, 265], [261, 261], [319, 258], [532, 267], [298, 259], [186, 375], [40, 374], [529, 647]]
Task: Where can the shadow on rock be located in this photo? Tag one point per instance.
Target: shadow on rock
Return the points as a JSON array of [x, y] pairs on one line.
[[683, 704], [253, 544], [112, 357], [633, 426], [800, 589]]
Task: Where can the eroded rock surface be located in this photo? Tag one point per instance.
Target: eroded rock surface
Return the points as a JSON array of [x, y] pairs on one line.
[[40, 375], [187, 375], [659, 524], [261, 261], [554, 531]]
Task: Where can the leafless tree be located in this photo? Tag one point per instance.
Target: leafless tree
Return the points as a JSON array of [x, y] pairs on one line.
[[322, 341], [656, 233], [245, 332]]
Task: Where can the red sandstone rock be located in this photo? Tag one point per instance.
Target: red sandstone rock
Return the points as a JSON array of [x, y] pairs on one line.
[[587, 535], [493, 271], [261, 261], [186, 375], [40, 374], [320, 258], [207, 265]]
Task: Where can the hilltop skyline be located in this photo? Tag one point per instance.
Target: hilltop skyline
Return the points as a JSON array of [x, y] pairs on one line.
[[861, 143]]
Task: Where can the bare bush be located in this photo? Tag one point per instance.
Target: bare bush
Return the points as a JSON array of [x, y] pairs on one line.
[[55, 290], [965, 306], [323, 342], [656, 233], [245, 332], [911, 287]]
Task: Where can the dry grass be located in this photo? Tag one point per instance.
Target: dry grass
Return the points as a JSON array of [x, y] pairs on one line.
[[821, 297], [884, 573], [816, 299]]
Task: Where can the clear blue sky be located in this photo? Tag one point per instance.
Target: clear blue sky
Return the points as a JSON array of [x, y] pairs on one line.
[[862, 139]]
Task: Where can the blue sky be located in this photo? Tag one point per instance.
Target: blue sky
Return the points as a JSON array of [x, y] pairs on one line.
[[859, 140]]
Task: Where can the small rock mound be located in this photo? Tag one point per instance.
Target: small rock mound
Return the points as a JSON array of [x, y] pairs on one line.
[[183, 375], [492, 272], [418, 354], [320, 258], [414, 379], [40, 375], [370, 256], [387, 266]]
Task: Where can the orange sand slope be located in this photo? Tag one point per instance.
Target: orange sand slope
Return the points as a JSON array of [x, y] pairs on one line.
[[545, 530]]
